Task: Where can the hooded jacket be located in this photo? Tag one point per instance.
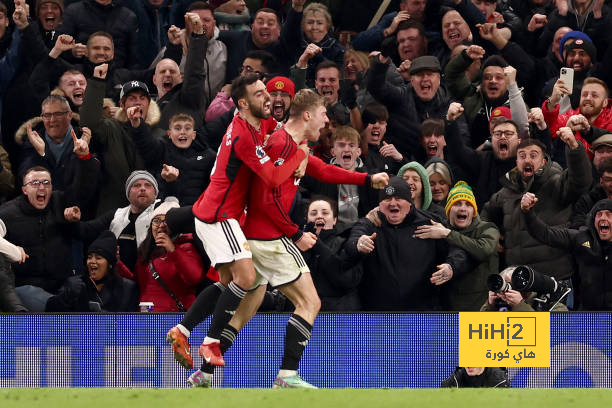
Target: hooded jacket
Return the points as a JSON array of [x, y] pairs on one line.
[[594, 256], [557, 190], [492, 377]]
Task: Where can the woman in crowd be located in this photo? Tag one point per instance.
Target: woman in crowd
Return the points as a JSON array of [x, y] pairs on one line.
[[104, 285], [334, 276], [416, 176], [169, 267]]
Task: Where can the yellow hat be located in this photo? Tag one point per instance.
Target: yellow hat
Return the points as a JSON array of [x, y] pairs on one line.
[[461, 191]]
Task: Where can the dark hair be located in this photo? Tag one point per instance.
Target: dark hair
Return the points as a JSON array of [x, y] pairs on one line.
[[532, 142], [266, 10], [268, 61], [500, 120], [374, 112], [3, 9], [411, 23], [239, 86], [35, 168], [432, 126], [101, 34], [326, 64], [332, 203], [494, 61], [200, 5]]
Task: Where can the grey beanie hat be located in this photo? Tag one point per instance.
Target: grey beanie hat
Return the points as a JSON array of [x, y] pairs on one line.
[[140, 175]]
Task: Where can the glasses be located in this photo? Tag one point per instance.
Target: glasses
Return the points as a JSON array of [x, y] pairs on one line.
[[56, 115], [38, 183], [507, 134], [158, 221], [246, 70]]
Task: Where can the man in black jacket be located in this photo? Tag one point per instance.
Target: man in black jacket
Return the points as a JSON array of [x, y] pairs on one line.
[[409, 104], [477, 377], [402, 272], [35, 221], [591, 246]]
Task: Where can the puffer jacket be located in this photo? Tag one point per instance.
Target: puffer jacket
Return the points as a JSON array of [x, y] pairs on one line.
[[557, 190]]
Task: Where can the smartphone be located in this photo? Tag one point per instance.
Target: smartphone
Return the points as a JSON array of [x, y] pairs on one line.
[[567, 75]]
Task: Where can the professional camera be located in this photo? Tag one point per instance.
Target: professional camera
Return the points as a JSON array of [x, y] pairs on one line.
[[497, 284], [550, 292]]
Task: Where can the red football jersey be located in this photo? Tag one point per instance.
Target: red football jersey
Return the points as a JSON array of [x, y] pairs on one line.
[[240, 154], [269, 206]]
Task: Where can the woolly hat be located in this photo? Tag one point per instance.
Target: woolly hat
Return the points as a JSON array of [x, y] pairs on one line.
[[582, 41], [424, 181], [60, 4], [397, 187], [106, 246], [461, 191], [281, 83], [169, 203], [140, 175]]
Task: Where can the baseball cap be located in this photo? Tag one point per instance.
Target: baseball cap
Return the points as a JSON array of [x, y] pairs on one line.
[[131, 86]]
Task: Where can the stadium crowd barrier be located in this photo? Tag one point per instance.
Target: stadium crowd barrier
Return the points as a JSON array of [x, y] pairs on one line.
[[346, 350]]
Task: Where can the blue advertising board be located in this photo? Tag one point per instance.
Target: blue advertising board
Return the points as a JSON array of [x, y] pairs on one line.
[[345, 350]]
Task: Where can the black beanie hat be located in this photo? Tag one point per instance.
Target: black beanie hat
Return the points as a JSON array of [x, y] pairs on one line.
[[106, 246], [582, 44]]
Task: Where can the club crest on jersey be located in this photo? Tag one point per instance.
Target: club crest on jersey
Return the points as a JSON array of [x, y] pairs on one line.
[[279, 161], [260, 152]]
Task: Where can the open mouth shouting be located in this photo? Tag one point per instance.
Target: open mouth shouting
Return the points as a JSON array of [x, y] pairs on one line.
[[432, 149], [77, 97], [347, 159], [528, 171], [278, 109]]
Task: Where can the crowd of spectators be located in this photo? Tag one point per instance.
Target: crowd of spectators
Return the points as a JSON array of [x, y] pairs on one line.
[[112, 111]]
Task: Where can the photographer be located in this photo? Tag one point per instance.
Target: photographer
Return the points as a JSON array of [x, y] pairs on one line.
[[503, 298]]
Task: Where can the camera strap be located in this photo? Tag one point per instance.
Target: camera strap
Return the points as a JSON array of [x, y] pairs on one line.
[[158, 278]]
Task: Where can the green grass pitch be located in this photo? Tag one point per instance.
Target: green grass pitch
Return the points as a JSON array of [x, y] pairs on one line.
[[267, 398]]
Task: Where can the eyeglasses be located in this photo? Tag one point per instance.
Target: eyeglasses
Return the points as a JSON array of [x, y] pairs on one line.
[[246, 69], [56, 115], [507, 134], [38, 183], [158, 221]]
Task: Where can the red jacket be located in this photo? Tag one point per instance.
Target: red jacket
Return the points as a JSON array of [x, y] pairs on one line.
[[181, 271], [555, 121]]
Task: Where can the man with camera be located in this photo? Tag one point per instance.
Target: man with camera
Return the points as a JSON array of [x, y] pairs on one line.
[[522, 289]]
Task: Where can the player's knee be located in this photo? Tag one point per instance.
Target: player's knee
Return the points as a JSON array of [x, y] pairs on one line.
[[314, 304], [245, 280]]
